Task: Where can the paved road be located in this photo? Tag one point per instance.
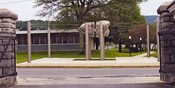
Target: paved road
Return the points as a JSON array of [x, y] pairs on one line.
[[86, 72], [89, 78]]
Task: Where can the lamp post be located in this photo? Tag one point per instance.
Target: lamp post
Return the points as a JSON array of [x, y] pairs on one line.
[[130, 45], [140, 44]]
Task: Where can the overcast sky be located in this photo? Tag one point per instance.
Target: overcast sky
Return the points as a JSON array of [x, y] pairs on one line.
[[25, 10]]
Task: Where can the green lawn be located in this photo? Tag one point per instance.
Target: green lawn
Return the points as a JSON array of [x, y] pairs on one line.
[[154, 54], [110, 54]]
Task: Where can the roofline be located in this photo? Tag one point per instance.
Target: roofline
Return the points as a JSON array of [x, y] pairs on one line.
[[46, 31]]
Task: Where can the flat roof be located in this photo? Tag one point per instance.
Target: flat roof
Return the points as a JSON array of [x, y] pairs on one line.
[[45, 31]]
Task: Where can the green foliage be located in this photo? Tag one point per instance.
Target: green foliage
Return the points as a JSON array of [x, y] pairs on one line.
[[35, 24], [154, 55], [43, 25], [79, 11], [139, 31]]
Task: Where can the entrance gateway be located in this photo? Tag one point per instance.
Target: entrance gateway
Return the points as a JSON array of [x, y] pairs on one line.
[[166, 33], [167, 41], [7, 47]]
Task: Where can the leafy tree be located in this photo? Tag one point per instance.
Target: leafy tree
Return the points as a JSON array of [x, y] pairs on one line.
[[139, 31], [123, 14], [79, 11]]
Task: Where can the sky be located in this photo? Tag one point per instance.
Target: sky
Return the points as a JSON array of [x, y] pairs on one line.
[[25, 10]]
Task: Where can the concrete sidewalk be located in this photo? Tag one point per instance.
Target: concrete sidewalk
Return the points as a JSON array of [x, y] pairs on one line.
[[136, 61]]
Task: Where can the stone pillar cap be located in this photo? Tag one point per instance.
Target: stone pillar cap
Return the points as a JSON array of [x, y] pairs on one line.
[[171, 7], [5, 13], [163, 7]]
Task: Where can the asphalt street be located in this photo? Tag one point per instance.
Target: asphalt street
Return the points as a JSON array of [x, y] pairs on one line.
[[89, 78], [86, 72]]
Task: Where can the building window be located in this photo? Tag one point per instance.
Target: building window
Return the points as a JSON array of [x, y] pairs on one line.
[[71, 38], [53, 38], [22, 39], [43, 38], [76, 38], [35, 39], [65, 38], [59, 39]]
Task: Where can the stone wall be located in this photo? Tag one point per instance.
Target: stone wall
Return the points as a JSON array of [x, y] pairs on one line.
[[7, 47], [167, 44]]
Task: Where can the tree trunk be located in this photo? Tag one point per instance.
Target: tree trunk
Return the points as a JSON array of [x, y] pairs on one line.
[[96, 43], [82, 47], [120, 46]]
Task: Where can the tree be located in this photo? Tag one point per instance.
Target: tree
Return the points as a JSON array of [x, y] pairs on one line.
[[79, 11], [139, 31], [123, 14]]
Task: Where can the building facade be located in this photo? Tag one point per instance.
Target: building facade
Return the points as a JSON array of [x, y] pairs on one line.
[[61, 40]]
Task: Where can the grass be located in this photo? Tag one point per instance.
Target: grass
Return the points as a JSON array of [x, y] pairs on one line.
[[154, 54], [109, 54]]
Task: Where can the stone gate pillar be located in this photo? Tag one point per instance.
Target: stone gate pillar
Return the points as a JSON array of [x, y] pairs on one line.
[[167, 44], [7, 47]]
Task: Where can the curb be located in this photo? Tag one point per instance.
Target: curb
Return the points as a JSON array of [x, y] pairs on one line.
[[148, 66]]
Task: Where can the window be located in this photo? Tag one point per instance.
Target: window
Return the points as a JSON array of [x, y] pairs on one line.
[[71, 38], [53, 38], [76, 38], [43, 38], [35, 39], [59, 39], [65, 38], [22, 39]]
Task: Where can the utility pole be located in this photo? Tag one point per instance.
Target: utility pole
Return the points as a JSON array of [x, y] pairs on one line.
[[148, 42], [87, 42], [29, 42], [102, 51], [48, 35], [158, 40]]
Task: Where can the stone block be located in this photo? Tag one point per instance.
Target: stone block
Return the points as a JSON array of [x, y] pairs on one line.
[[6, 63], [1, 47], [6, 25], [7, 81], [13, 62], [14, 22], [5, 35], [7, 42], [167, 19], [7, 20], [165, 59], [5, 13], [167, 43], [166, 51], [8, 71], [173, 43], [9, 49], [168, 68], [1, 72], [169, 78], [1, 30], [173, 59], [8, 30], [7, 55]]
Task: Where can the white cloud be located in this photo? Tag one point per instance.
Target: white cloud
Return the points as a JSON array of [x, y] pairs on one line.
[[150, 7]]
